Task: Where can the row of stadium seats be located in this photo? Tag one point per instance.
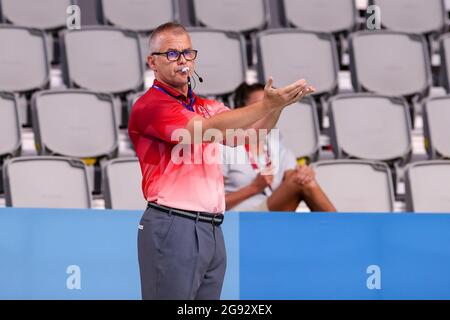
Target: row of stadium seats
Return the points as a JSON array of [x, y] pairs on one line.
[[367, 126], [60, 182], [334, 16], [338, 17], [109, 60], [352, 185], [82, 124], [104, 69]]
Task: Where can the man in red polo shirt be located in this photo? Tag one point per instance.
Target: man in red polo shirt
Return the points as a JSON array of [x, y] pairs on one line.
[[180, 242]]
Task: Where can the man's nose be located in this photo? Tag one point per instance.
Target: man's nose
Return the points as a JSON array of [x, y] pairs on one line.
[[181, 59]]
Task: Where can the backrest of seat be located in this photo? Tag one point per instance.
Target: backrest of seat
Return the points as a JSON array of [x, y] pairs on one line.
[[123, 179], [143, 15], [389, 63], [321, 16], [372, 127], [46, 182], [10, 136], [232, 15], [356, 186], [220, 61], [23, 59], [412, 16], [75, 123], [427, 186], [103, 59], [288, 55], [436, 126], [42, 14], [299, 128]]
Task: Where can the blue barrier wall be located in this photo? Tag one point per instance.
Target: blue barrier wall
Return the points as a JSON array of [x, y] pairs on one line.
[[92, 254]]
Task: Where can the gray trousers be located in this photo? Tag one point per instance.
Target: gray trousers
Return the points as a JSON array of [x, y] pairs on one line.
[[180, 258]]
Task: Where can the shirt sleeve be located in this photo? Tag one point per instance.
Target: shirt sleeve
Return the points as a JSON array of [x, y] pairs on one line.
[[162, 120]]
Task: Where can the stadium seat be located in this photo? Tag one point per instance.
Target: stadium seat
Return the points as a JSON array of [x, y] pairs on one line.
[[412, 16], [43, 14], [46, 182], [220, 62], [140, 16], [231, 15], [122, 185], [287, 54], [103, 59], [74, 123], [436, 115], [332, 16], [23, 59], [48, 15], [144, 42], [356, 186], [371, 127], [390, 63], [299, 128], [427, 186], [10, 137], [79, 124], [24, 66]]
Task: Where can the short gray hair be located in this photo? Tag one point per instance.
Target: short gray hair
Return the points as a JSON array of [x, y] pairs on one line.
[[168, 26]]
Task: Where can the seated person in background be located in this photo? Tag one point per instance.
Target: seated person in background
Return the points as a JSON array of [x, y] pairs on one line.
[[247, 189]]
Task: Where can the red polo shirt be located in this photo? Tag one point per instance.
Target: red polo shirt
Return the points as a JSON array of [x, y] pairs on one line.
[[190, 185]]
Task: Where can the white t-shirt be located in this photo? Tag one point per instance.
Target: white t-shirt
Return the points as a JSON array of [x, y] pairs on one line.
[[241, 174]]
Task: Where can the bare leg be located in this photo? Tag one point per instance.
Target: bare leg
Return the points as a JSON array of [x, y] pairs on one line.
[[316, 199], [289, 194], [285, 198]]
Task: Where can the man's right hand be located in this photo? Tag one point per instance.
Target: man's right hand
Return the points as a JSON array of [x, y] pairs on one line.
[[279, 98]]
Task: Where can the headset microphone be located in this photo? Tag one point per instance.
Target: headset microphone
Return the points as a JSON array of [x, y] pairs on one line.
[[199, 78], [187, 69]]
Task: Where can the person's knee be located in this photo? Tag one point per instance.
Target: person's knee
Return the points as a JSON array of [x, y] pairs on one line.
[[310, 188], [289, 179]]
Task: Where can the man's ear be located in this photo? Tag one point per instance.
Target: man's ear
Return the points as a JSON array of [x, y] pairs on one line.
[[151, 63]]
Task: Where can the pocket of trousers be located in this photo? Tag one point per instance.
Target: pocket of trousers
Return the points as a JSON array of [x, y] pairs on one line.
[[160, 224]]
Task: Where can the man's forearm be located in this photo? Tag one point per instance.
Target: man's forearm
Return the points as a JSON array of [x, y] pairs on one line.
[[235, 120], [245, 118], [268, 122], [242, 118], [232, 199]]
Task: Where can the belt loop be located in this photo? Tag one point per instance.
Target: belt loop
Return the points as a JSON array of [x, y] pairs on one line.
[[198, 216], [170, 212]]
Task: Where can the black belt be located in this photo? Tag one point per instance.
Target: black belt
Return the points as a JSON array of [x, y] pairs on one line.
[[214, 219]]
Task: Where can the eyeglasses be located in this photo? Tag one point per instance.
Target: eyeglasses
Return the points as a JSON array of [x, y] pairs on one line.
[[174, 55]]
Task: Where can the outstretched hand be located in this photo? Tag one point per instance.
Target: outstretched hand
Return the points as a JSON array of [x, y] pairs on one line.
[[282, 97]]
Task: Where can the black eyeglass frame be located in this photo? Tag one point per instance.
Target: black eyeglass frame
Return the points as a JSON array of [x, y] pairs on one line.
[[179, 53]]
